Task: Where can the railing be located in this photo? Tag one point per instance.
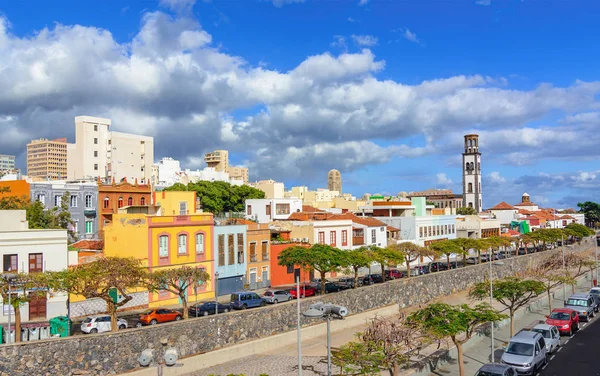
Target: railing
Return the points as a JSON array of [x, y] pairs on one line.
[[265, 256], [252, 258], [358, 240]]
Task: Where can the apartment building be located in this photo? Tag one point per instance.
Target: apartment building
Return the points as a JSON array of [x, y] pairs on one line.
[[267, 210], [113, 196], [271, 188], [47, 159], [101, 152], [219, 160], [7, 162]]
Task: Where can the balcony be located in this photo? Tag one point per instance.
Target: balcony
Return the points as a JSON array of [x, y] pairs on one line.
[[358, 240], [252, 258], [265, 257], [89, 212]]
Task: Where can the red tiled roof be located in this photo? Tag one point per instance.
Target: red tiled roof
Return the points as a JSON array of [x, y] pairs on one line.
[[324, 216], [311, 209], [526, 204], [510, 233], [566, 217], [390, 228], [96, 245], [502, 206]]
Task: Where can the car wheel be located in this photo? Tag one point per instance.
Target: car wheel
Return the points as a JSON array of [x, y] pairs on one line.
[[275, 301], [205, 313], [244, 306], [153, 322], [262, 304], [138, 325], [94, 331], [290, 298], [570, 331], [177, 318], [121, 327], [225, 310]]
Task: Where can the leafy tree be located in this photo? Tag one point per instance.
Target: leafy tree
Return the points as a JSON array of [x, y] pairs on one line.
[[386, 344], [386, 256], [459, 322], [579, 230], [512, 292], [23, 287], [466, 210], [177, 281], [446, 247], [550, 273], [479, 245], [319, 257], [356, 259], [413, 252], [104, 279], [465, 244], [591, 211]]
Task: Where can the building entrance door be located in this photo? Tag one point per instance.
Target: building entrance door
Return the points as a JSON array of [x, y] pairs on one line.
[[37, 308]]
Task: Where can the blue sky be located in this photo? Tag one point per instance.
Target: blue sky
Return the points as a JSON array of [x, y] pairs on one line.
[[381, 90]]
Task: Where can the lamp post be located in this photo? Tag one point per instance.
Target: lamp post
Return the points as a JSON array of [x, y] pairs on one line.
[[9, 278], [216, 294], [329, 311], [493, 357], [196, 293], [299, 327]]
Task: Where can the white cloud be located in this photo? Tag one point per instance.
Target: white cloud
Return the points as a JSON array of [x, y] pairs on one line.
[[483, 2], [280, 3], [495, 178], [410, 36], [178, 5], [350, 19], [364, 40], [363, 2], [443, 180], [339, 41]]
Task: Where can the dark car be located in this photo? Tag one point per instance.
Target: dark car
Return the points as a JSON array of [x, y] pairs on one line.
[[348, 282], [331, 287], [420, 270], [393, 274], [437, 266], [207, 308], [370, 279], [451, 265]]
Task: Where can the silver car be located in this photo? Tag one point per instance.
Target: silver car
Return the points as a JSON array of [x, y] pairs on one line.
[[277, 296], [526, 351], [582, 303], [551, 336], [495, 369], [100, 324]]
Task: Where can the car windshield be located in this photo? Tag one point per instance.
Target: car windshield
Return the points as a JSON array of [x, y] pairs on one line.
[[545, 333], [487, 373], [147, 312], [234, 297], [87, 319], [595, 292], [518, 348], [268, 293], [559, 316], [577, 302]]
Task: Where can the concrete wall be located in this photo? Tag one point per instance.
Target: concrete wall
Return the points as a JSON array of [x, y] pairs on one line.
[[104, 353]]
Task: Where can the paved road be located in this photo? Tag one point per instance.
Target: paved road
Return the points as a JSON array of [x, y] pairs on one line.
[[579, 355]]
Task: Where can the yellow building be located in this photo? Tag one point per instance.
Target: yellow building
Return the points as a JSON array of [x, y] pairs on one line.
[[175, 202], [164, 242]]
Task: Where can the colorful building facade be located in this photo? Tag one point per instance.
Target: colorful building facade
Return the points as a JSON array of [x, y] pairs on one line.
[[286, 275], [258, 244], [229, 253], [175, 202], [113, 196]]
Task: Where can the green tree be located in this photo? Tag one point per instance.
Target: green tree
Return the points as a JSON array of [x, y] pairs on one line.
[[551, 274], [591, 211], [412, 252], [459, 322], [447, 248], [319, 257], [465, 244], [512, 292], [177, 281], [466, 210], [386, 257], [356, 259], [104, 278]]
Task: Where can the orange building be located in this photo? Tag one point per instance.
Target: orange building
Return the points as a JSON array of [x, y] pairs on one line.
[[113, 196], [283, 275], [15, 188], [258, 243]]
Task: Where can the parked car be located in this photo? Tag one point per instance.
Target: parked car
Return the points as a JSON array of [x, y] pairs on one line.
[[471, 260], [393, 274], [551, 336], [419, 270], [584, 305], [331, 287], [526, 352], [207, 308], [595, 292], [565, 319], [496, 369], [349, 282], [159, 315], [277, 296], [305, 291], [522, 251], [317, 282], [370, 279], [246, 299], [437, 266], [100, 324], [451, 265]]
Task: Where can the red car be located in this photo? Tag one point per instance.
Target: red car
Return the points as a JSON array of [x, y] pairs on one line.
[[565, 319], [305, 291], [393, 274], [158, 315]]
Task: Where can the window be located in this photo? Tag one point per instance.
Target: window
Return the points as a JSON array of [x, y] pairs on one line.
[[73, 201], [268, 210], [89, 227], [95, 127], [281, 209], [420, 232], [265, 250], [199, 244], [373, 236], [106, 202], [221, 250], [182, 208], [88, 201], [75, 226], [252, 252], [321, 237], [230, 249], [344, 237], [41, 198], [470, 188], [182, 244], [143, 201], [36, 264], [382, 229], [95, 141], [96, 153], [240, 246], [11, 263], [290, 269], [163, 246], [120, 202], [57, 200], [332, 238], [95, 167], [249, 210]]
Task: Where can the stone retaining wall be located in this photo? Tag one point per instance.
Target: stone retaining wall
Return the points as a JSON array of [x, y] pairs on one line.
[[110, 353]]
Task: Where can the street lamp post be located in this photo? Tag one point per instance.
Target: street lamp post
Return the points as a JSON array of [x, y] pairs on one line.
[[493, 357], [299, 327], [216, 294], [9, 278]]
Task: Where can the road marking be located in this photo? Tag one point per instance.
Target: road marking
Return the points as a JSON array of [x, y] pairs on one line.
[[544, 367], [560, 348], [552, 357]]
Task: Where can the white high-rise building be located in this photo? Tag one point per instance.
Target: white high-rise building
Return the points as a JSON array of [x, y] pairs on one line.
[[169, 171], [472, 196], [100, 152]]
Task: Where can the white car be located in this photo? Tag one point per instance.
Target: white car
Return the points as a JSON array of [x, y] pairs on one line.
[[100, 324], [551, 336]]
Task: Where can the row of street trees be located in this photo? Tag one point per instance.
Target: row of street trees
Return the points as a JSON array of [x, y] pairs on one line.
[[112, 279]]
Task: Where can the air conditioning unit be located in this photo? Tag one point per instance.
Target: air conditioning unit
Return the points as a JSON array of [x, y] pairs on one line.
[[304, 240]]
